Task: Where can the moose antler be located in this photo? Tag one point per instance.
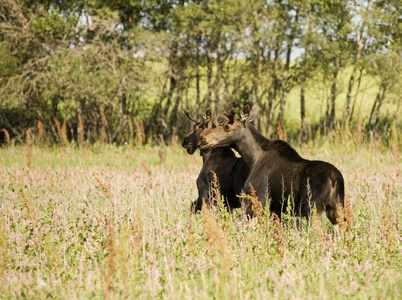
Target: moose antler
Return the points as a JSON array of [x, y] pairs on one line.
[[222, 120], [230, 115], [192, 119]]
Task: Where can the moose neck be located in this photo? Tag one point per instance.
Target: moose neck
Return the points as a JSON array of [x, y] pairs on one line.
[[220, 152], [250, 145]]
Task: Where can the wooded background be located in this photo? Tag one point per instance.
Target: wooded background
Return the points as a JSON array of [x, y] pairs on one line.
[[122, 70]]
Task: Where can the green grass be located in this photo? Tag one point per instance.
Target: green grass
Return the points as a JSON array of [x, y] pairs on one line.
[[93, 223]]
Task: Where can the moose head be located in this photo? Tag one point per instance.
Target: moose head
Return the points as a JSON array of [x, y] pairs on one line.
[[190, 140], [229, 130]]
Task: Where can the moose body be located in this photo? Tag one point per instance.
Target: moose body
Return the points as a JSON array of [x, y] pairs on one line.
[[277, 172], [229, 169]]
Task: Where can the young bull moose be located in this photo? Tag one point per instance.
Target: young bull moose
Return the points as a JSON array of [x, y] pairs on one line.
[[230, 170], [277, 172]]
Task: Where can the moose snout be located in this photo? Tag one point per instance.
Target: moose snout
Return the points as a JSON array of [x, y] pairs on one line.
[[186, 142]]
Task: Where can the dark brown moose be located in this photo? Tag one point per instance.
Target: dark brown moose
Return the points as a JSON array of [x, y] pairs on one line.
[[277, 172], [230, 170]]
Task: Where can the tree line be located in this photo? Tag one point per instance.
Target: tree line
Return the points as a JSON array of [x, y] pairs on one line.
[[122, 71]]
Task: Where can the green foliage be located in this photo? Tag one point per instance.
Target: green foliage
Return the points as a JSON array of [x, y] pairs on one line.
[[151, 59], [8, 62]]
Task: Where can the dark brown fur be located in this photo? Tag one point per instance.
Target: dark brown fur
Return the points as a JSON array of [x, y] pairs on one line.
[[230, 170], [277, 172]]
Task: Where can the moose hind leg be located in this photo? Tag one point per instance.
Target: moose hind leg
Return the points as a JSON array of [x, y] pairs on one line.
[[335, 214]]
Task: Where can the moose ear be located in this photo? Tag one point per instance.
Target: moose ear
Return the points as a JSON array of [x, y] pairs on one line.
[[207, 115], [253, 114], [232, 111], [222, 120], [244, 113]]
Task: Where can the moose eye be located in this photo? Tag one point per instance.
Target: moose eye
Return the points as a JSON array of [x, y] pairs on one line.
[[226, 127]]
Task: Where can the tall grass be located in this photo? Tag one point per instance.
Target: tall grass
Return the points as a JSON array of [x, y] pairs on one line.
[[101, 225]]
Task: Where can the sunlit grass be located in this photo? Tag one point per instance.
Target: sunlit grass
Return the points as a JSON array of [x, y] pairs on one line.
[[94, 223]]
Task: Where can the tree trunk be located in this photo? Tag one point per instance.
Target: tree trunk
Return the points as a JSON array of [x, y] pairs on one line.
[[303, 129], [209, 77], [274, 89], [172, 87], [355, 97], [378, 110], [330, 113], [350, 86], [346, 113], [219, 71], [175, 111], [375, 111], [396, 114], [157, 108]]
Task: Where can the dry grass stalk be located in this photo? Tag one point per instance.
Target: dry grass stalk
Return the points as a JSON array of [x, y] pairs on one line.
[[58, 127], [110, 260], [186, 159], [131, 130], [106, 191], [28, 203], [345, 220], [7, 135], [3, 252], [215, 189], [122, 255], [42, 131], [81, 125], [29, 150], [145, 166], [63, 136], [358, 134], [278, 236], [386, 228], [379, 144], [394, 139], [137, 234], [282, 134], [162, 154], [62, 156], [348, 214], [104, 124], [215, 236], [256, 205], [191, 236], [116, 165], [140, 131]]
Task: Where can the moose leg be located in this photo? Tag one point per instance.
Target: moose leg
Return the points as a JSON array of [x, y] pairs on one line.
[[332, 215], [335, 208], [196, 206], [203, 192], [203, 195], [335, 214]]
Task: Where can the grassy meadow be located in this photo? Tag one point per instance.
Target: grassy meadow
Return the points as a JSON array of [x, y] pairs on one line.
[[109, 223]]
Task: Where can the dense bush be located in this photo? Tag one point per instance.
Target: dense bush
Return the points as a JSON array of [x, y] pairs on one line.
[[309, 65]]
